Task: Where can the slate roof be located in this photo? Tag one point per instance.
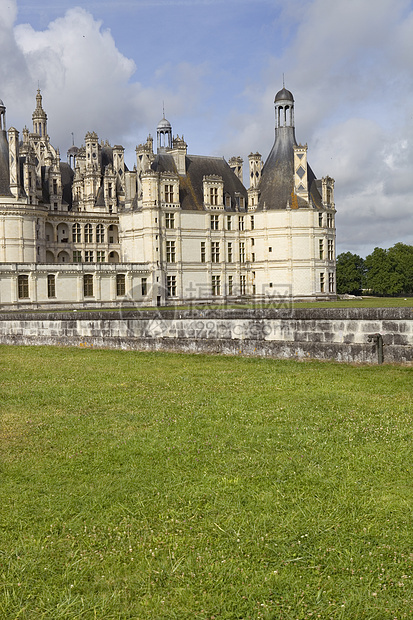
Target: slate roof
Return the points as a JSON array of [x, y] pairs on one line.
[[277, 178], [67, 181], [191, 185]]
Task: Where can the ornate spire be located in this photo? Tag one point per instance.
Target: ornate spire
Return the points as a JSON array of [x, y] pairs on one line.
[[39, 117]]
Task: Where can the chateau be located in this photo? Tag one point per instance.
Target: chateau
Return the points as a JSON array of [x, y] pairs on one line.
[[177, 227]]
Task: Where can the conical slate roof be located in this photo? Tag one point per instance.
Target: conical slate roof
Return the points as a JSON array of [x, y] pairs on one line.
[[277, 179]]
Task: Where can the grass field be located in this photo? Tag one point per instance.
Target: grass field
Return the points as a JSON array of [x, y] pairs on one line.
[[360, 302], [186, 487]]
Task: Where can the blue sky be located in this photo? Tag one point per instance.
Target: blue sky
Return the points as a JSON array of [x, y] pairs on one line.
[[216, 65]]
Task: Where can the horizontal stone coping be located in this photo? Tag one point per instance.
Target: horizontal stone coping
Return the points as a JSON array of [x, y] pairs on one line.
[[41, 267], [304, 314]]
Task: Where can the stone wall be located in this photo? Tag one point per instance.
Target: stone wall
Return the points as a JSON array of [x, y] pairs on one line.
[[342, 334]]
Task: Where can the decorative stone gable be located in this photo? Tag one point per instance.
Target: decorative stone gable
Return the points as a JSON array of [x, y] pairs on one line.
[[213, 192]]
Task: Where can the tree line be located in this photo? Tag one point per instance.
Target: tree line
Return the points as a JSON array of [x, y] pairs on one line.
[[383, 272]]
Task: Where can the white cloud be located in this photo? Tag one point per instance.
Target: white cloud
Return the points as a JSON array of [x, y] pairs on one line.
[[86, 82], [348, 64]]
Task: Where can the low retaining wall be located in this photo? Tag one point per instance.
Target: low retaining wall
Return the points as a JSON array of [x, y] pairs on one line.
[[342, 334]]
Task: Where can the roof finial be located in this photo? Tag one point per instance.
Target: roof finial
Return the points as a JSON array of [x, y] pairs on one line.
[[73, 139], [283, 81], [163, 108]]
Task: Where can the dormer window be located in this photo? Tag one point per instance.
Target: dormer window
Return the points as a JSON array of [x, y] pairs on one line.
[[169, 193]]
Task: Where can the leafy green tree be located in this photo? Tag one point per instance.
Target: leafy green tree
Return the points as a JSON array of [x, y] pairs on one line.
[[350, 273], [402, 256], [383, 275]]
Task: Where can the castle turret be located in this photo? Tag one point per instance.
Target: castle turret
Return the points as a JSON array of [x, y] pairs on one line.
[[39, 117], [277, 178], [164, 135]]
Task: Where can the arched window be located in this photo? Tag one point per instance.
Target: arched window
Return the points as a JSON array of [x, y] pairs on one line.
[[76, 234], [88, 233], [100, 233]]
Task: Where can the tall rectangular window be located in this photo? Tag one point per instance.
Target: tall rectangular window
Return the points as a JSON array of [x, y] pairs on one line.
[[213, 195], [144, 286], [100, 233], [88, 285], [321, 248], [169, 220], [242, 285], [170, 252], [54, 186], [76, 235], [331, 282], [77, 256], [171, 286], [120, 284], [322, 282], [230, 285], [320, 219], [51, 285], [216, 285], [229, 253], [214, 222], [229, 222], [241, 222], [88, 256], [100, 256], [23, 287], [252, 222], [329, 220], [241, 252], [215, 251], [169, 193], [88, 233], [330, 249], [203, 252]]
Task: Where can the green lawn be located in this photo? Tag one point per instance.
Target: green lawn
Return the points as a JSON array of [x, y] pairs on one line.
[[361, 302], [144, 485]]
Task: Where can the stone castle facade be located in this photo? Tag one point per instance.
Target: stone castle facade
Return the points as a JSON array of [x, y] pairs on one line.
[[178, 227]]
